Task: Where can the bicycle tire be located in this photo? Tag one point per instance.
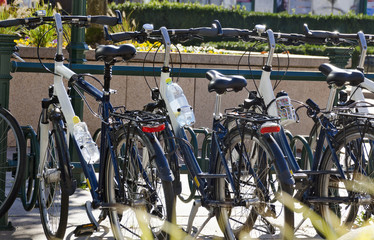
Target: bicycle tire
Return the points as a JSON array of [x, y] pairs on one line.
[[153, 197], [30, 184], [13, 160], [53, 196], [349, 143], [243, 221]]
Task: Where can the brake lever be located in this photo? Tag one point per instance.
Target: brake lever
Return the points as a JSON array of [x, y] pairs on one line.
[[119, 16], [216, 24]]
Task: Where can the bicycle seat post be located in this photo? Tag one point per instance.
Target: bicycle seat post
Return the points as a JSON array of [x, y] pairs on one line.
[[217, 107], [107, 76]]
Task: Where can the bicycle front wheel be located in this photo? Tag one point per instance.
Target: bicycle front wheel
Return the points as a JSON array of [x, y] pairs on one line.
[[349, 202], [257, 185], [53, 197], [140, 203], [12, 159]]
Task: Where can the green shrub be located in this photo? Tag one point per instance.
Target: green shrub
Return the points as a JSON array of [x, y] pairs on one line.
[[187, 15]]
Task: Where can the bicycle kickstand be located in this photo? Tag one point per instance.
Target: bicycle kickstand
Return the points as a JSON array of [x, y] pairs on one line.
[[195, 208]]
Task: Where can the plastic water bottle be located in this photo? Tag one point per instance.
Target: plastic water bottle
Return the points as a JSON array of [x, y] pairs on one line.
[[179, 104], [88, 147], [286, 111]]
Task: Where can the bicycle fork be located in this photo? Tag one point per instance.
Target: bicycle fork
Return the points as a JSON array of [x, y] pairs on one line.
[[63, 171]]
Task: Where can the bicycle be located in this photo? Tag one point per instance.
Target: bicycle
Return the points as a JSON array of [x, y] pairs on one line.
[[329, 184], [233, 188], [13, 159], [354, 121], [129, 157]]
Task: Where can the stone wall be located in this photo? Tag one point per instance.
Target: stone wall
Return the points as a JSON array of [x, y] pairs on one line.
[[28, 89]]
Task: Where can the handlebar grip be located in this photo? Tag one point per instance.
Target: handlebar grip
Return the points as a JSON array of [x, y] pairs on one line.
[[323, 34], [119, 37], [104, 20], [234, 32], [12, 22], [312, 105], [204, 31]]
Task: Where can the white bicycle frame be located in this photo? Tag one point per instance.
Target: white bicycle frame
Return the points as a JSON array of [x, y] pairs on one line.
[[59, 89], [265, 89], [165, 76]]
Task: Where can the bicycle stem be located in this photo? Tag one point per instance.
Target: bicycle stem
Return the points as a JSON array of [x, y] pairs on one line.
[[271, 42], [59, 31], [266, 89], [167, 44], [363, 49]]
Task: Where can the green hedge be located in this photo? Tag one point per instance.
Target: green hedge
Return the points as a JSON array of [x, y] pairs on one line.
[[186, 15]]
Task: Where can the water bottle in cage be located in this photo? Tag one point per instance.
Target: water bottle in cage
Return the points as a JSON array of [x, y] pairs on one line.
[[179, 104], [84, 140], [286, 111]]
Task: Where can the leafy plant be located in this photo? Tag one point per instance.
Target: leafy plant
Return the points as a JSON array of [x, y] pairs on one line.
[[7, 12]]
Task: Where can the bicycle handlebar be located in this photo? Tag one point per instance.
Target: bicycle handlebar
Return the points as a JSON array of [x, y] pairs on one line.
[[333, 35], [79, 20]]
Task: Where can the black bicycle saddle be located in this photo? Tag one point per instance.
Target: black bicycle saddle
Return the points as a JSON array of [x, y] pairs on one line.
[[109, 52], [220, 83]]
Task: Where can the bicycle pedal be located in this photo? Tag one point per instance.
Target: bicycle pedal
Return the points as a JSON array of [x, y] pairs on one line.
[[85, 230]]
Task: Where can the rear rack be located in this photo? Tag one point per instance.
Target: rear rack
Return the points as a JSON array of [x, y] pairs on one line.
[[232, 113], [357, 115], [139, 116]]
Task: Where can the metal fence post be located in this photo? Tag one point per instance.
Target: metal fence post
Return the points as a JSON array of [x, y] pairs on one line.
[[6, 49], [77, 55]]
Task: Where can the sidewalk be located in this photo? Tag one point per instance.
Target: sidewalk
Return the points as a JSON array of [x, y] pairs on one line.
[[28, 226]]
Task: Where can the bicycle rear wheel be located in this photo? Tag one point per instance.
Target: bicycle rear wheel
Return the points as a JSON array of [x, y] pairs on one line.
[[12, 159], [141, 202], [265, 214], [53, 196], [353, 202]]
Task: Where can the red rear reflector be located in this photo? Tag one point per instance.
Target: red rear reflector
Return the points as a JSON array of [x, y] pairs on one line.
[[154, 128], [269, 128]]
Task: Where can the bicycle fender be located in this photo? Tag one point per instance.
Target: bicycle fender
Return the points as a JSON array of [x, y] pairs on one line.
[[281, 139], [162, 164], [281, 166]]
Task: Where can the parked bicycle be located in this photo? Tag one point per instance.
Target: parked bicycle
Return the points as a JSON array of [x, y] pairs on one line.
[[351, 115], [237, 187], [13, 161], [127, 188], [331, 185]]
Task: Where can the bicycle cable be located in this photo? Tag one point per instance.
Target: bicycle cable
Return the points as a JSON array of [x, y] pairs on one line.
[[277, 82], [38, 53], [77, 89], [154, 61], [180, 63], [250, 70], [145, 58], [249, 66]]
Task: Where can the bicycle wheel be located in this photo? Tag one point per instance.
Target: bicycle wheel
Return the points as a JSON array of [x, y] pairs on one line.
[[30, 185], [350, 204], [143, 202], [12, 159], [269, 215], [53, 197]]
